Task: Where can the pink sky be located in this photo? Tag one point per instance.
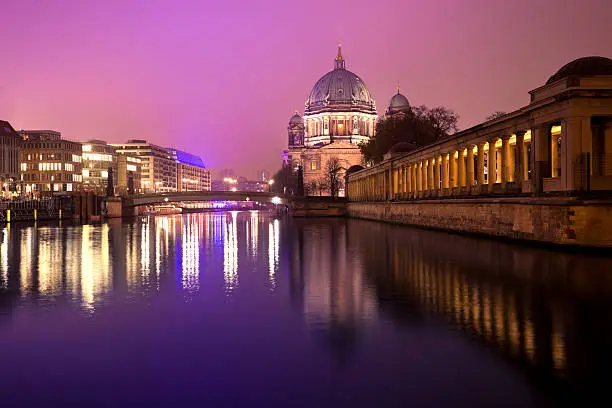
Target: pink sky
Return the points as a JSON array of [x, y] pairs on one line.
[[221, 78]]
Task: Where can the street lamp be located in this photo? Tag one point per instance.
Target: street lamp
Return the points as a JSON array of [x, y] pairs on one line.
[[270, 182]]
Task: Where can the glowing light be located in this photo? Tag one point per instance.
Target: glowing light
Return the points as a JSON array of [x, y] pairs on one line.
[[276, 200], [191, 255], [271, 181], [273, 250], [4, 258], [230, 252], [234, 189]]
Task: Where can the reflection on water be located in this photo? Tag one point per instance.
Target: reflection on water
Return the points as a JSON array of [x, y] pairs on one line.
[[546, 315], [544, 311]]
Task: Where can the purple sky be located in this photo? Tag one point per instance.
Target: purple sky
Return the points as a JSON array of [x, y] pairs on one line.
[[222, 78]]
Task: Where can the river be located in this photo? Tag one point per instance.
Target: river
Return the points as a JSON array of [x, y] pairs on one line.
[[242, 309]]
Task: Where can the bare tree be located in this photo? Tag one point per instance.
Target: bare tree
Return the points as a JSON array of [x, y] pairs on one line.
[[495, 115], [332, 171]]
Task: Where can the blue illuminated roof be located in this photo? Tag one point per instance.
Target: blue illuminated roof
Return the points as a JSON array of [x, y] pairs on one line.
[[186, 158]]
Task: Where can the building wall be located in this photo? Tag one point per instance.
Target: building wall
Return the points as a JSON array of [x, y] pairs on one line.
[[128, 175], [554, 221], [49, 163], [314, 162], [98, 158], [158, 168], [10, 155], [192, 178]]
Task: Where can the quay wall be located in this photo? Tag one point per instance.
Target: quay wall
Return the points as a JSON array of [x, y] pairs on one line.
[[563, 221]]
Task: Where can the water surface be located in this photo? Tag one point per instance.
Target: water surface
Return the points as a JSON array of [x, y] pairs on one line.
[[241, 309]]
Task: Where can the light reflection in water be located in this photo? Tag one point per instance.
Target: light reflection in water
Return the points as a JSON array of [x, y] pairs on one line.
[[4, 257], [230, 251], [25, 267], [273, 249], [50, 246], [96, 277], [253, 232], [190, 254], [145, 252]]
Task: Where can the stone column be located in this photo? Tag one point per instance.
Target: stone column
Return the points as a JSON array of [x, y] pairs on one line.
[[423, 175], [491, 158], [415, 184], [519, 168], [437, 173], [430, 175], [409, 177], [470, 166], [577, 140], [540, 137], [481, 173], [505, 162], [453, 168], [461, 168], [445, 171]]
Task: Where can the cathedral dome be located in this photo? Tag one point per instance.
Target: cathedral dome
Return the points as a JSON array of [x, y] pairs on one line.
[[340, 90], [296, 120], [587, 66], [399, 103]]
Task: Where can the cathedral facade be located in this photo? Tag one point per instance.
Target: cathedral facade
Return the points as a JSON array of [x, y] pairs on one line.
[[339, 114]]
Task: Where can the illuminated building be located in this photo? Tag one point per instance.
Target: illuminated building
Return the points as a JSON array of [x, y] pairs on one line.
[[50, 163], [98, 159], [158, 167], [10, 157], [128, 175], [191, 173], [339, 114]]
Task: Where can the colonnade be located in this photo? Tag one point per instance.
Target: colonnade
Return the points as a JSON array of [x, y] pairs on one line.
[[494, 165]]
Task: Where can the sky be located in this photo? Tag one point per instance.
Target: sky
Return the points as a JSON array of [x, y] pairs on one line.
[[222, 78]]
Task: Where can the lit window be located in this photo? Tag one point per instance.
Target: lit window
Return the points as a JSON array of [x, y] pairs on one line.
[[313, 165], [104, 174], [85, 173], [87, 148]]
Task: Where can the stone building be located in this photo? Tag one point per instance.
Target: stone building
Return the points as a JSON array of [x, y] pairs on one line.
[[10, 158], [560, 143], [128, 180], [158, 167], [191, 173], [339, 114], [98, 158], [542, 172], [50, 163]]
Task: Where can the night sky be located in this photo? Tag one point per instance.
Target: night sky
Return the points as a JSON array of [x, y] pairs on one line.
[[222, 78]]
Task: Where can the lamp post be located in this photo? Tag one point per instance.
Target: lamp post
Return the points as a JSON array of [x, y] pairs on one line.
[[270, 182]]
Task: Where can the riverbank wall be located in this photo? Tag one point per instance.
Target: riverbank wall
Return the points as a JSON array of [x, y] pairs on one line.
[[559, 220]]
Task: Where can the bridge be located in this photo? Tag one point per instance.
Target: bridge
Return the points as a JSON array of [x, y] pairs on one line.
[[298, 206], [161, 198]]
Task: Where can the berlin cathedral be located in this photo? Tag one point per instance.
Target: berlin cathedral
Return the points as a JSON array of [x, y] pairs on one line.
[[339, 114]]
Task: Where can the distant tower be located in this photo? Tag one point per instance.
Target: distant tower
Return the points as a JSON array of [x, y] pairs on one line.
[[296, 130]]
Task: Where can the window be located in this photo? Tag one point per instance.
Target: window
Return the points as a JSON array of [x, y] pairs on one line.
[[314, 165], [97, 157], [76, 158], [68, 167], [85, 173]]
